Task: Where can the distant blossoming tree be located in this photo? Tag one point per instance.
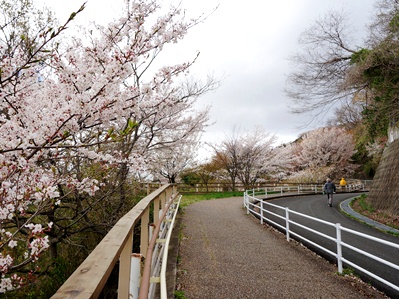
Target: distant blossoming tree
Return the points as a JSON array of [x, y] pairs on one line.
[[67, 104], [170, 162], [247, 157], [322, 153]]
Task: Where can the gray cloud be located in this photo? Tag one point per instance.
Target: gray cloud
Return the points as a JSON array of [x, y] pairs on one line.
[[247, 44], [250, 47]]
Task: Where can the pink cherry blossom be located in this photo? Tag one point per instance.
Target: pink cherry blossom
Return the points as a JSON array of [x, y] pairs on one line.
[[93, 100]]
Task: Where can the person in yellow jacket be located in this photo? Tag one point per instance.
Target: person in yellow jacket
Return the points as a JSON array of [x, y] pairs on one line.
[[342, 183]]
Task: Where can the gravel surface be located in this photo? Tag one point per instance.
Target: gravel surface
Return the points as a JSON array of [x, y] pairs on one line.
[[225, 253]]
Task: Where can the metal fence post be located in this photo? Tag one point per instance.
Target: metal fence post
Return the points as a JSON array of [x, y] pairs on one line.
[[247, 202], [287, 223], [261, 211], [339, 248]]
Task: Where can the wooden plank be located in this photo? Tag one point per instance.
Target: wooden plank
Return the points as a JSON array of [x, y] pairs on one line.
[[124, 269], [89, 278]]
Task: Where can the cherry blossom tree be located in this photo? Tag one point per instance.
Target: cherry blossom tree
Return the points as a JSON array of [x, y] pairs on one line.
[[172, 161], [322, 153], [284, 161], [246, 157], [207, 173], [70, 103]]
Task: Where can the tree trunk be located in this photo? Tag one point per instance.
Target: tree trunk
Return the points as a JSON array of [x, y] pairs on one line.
[[384, 193]]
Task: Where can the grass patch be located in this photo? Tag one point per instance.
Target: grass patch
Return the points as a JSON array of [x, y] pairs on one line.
[[347, 272], [363, 204], [180, 295], [188, 199], [360, 205]]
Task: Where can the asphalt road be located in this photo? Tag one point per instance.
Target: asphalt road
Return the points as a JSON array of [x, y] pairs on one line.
[[316, 206]]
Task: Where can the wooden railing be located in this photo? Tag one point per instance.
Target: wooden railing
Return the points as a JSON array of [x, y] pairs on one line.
[[90, 277], [226, 186]]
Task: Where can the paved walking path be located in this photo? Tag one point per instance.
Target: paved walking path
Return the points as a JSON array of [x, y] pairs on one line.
[[225, 253]]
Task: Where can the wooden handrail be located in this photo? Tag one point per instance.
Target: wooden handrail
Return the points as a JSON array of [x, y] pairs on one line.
[[89, 278]]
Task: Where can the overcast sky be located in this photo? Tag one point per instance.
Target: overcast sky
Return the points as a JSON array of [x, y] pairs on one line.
[[247, 44]]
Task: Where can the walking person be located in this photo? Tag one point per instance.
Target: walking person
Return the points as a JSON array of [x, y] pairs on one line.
[[330, 189], [342, 183]]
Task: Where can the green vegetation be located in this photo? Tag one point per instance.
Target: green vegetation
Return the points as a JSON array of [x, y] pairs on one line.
[[363, 204], [348, 272], [46, 283], [365, 207], [190, 178], [193, 198], [180, 295]]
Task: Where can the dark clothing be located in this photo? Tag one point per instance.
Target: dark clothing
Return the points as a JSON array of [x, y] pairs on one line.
[[329, 187]]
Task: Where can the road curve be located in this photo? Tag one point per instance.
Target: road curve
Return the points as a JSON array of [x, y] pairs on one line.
[[316, 206]]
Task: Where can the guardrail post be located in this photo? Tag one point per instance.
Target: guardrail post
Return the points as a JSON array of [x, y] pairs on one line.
[[287, 223], [168, 195], [339, 248], [144, 239], [246, 202], [124, 269], [135, 277], [156, 209], [261, 211], [163, 200]]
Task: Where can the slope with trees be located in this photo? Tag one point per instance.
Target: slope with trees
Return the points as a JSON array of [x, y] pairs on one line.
[[322, 153], [331, 71]]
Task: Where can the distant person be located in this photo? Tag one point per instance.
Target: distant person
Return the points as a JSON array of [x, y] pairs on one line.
[[342, 183], [329, 189]]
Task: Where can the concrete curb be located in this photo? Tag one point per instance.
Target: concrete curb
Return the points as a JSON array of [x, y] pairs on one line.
[[345, 207]]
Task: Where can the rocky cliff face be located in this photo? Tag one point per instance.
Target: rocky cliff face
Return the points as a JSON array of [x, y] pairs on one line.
[[384, 193]]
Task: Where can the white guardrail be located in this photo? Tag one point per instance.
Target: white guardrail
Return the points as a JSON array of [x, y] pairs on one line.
[[155, 272], [251, 203], [302, 189], [165, 236]]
